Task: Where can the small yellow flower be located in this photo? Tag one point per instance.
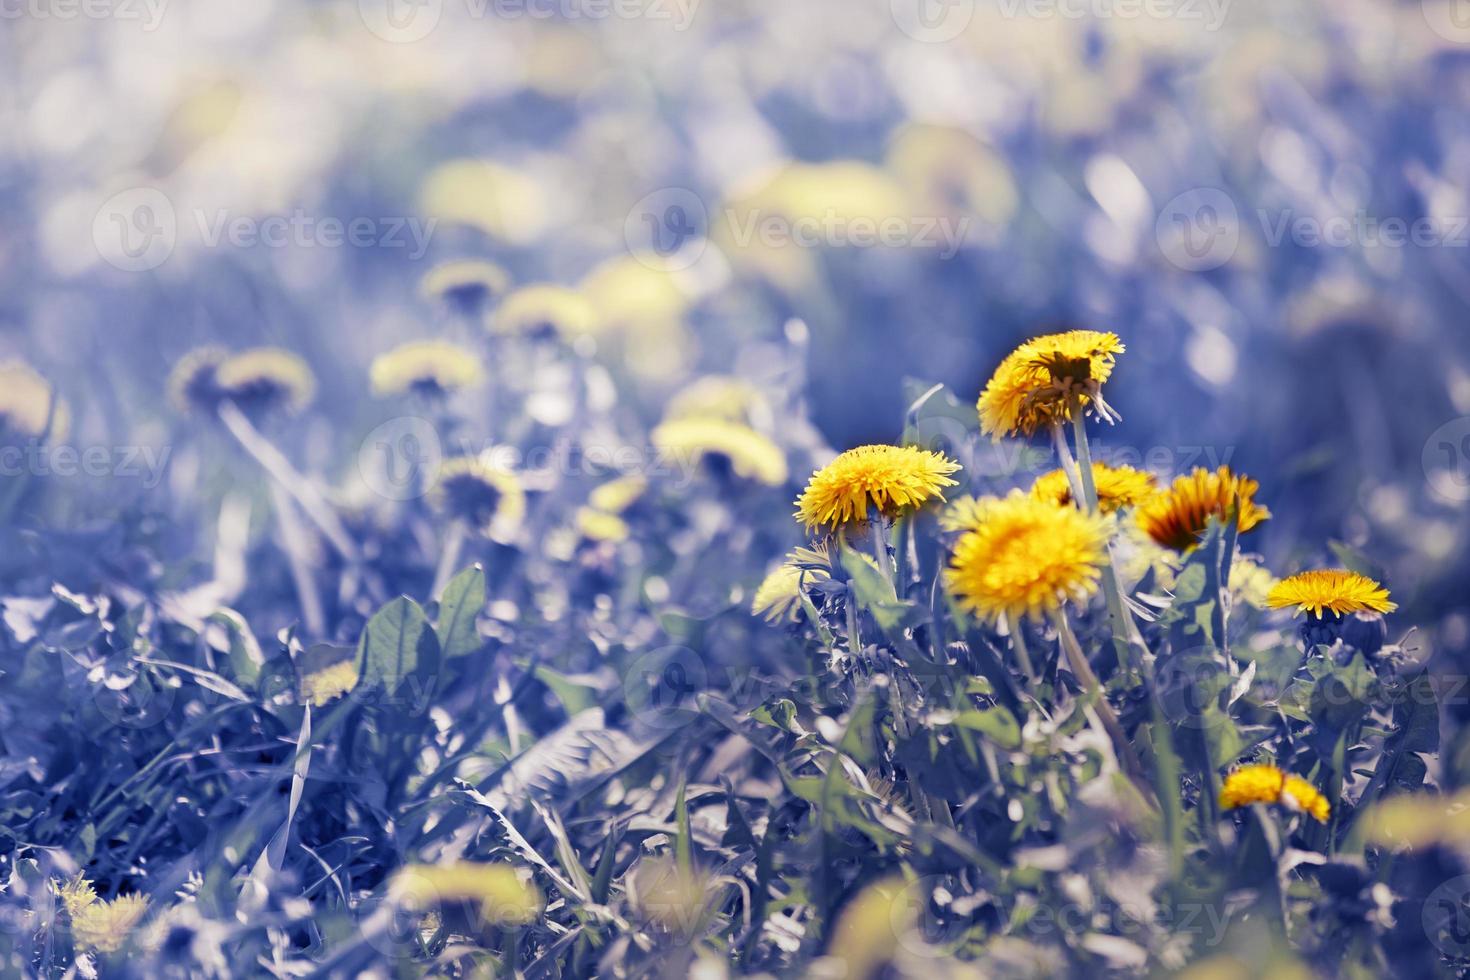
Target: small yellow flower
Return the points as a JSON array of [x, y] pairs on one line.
[[543, 310], [1332, 590], [962, 514], [745, 451], [329, 683], [76, 894], [506, 898], [1036, 383], [1251, 582], [778, 598], [1268, 784], [431, 368], [29, 406], [890, 478], [1021, 556], [265, 378], [667, 894], [106, 926], [466, 284], [617, 495], [1177, 517], [502, 201], [599, 525], [484, 496], [193, 385], [1117, 487], [718, 397]]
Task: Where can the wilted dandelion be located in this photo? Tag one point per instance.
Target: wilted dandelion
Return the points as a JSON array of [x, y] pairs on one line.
[[1334, 591], [329, 683], [506, 898], [483, 496], [778, 598], [1021, 556], [1268, 784], [466, 284], [265, 379], [1038, 383], [193, 384], [1117, 487], [725, 445], [429, 368], [544, 311], [1178, 516], [106, 926], [29, 406], [891, 479]]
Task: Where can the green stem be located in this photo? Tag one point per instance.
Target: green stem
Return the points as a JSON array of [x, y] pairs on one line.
[[1077, 660], [1023, 654]]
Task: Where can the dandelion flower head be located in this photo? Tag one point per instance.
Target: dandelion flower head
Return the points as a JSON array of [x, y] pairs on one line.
[[1333, 590], [1037, 383], [891, 479]]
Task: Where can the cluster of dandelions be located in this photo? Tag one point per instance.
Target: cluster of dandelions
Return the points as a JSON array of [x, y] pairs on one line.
[[1029, 555]]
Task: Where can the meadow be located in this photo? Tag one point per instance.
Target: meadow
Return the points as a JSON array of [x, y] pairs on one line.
[[650, 489]]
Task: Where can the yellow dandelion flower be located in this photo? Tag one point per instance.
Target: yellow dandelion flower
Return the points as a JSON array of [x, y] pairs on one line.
[[599, 525], [192, 384], [617, 495], [1035, 384], [1022, 556], [778, 598], [743, 450], [1333, 590], [266, 378], [1251, 582], [506, 897], [329, 683], [961, 514], [543, 310], [1268, 784], [1117, 487], [29, 406], [1179, 515], [484, 496], [891, 478], [431, 368], [466, 284], [106, 926], [501, 201], [667, 894], [640, 313], [76, 894], [718, 397]]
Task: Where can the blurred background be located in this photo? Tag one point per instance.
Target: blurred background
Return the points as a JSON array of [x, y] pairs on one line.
[[1266, 201]]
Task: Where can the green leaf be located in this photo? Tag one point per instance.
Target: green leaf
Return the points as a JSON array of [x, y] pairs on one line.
[[245, 656], [574, 697], [464, 597], [996, 724], [396, 643]]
